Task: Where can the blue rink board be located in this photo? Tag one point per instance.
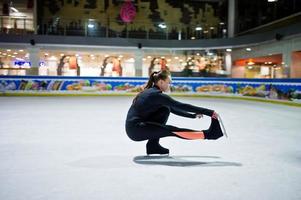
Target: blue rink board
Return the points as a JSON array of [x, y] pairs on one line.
[[287, 89]]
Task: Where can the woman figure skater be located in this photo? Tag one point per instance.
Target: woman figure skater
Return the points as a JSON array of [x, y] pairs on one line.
[[148, 114]]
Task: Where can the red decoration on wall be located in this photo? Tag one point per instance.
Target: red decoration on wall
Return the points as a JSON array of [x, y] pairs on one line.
[[128, 12]]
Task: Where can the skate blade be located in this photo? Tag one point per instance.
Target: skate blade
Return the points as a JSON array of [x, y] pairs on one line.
[[223, 127], [157, 155]]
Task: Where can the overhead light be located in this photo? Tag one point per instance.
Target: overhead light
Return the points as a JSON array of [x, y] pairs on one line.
[[198, 54], [8, 50], [21, 50], [221, 23], [162, 25], [228, 50], [193, 38], [272, 0], [248, 49], [90, 25], [211, 28], [250, 62], [198, 28]]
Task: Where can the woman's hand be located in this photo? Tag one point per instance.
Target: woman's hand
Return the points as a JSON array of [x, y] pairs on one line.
[[199, 116], [214, 115]]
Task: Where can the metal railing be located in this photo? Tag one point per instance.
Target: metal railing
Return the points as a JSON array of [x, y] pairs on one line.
[[141, 30], [111, 28]]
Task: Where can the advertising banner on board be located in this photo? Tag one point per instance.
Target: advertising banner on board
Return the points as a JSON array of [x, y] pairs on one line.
[[284, 89]]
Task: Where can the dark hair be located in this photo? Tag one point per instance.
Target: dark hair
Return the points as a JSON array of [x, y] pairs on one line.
[[154, 78]]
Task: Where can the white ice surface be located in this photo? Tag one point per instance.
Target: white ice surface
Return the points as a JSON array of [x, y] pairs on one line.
[[76, 148]]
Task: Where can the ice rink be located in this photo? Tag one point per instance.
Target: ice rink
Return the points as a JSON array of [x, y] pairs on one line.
[[76, 148]]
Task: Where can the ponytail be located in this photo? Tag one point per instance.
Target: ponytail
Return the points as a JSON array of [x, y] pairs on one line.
[[153, 79]]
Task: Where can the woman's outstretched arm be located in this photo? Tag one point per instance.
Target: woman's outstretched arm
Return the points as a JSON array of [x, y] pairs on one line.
[[182, 113], [170, 102]]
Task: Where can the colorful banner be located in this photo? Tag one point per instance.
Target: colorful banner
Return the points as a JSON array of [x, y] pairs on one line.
[[284, 89]]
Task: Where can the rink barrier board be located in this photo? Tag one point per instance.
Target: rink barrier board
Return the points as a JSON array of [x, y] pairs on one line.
[[288, 90]]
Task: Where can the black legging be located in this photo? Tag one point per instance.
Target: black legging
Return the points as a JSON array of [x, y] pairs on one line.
[[154, 128]]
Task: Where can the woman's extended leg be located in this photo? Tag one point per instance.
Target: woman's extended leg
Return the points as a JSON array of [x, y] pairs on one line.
[[153, 130], [161, 117]]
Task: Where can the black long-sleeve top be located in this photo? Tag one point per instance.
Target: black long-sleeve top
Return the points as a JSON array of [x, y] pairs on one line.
[[152, 99]]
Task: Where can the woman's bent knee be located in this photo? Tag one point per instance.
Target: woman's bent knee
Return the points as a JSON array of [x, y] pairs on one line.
[[133, 135]]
